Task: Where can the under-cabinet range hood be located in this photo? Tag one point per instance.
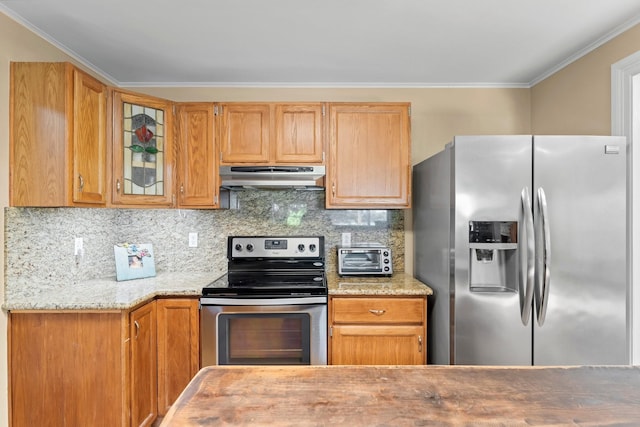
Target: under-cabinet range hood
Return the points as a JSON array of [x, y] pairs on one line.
[[272, 177]]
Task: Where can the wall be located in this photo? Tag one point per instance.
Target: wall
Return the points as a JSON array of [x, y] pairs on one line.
[[40, 240], [577, 99], [437, 115], [16, 44]]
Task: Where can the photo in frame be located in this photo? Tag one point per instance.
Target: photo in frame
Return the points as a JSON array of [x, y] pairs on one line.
[[134, 261]]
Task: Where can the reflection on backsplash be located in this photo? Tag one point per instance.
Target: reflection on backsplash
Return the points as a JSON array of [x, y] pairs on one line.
[[39, 242]]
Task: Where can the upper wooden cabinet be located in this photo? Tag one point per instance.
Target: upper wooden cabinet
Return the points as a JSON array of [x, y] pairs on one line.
[[271, 133], [299, 133], [369, 163], [142, 150], [197, 158], [57, 136]]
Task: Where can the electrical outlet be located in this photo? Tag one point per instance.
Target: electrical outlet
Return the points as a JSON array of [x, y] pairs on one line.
[[346, 239], [79, 247], [193, 240]]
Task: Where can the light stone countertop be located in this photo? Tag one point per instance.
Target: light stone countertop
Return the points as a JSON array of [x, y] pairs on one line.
[[400, 284], [107, 293]]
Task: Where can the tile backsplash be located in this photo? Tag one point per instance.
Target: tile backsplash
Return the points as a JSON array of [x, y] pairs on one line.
[[39, 242]]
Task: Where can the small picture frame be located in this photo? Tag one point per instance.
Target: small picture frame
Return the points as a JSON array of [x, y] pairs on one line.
[[134, 261]]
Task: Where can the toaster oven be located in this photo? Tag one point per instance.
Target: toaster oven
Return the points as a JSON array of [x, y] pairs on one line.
[[364, 259]]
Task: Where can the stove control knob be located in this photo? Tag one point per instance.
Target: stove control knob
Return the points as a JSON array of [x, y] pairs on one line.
[[238, 247], [312, 247], [250, 247], [301, 247]]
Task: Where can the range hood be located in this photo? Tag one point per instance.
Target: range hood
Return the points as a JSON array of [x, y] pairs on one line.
[[272, 177]]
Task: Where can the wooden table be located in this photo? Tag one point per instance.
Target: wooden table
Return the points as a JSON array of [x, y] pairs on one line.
[[409, 395]]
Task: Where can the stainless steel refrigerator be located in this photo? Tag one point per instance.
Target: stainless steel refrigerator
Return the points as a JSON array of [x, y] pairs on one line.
[[524, 241]]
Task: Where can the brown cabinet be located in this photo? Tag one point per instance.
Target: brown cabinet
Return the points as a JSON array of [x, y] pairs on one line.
[[369, 163], [143, 150], [197, 158], [144, 365], [178, 347], [271, 133], [58, 146], [377, 330], [68, 368], [106, 368]]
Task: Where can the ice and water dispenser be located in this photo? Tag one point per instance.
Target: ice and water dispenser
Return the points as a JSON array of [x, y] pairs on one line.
[[493, 260]]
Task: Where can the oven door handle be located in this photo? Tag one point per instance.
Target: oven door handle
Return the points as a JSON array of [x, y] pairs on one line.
[[263, 301]]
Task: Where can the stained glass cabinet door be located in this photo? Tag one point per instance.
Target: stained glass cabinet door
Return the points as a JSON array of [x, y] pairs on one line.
[[143, 150]]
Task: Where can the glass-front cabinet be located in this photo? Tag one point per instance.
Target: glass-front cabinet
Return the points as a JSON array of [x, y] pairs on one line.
[[142, 150]]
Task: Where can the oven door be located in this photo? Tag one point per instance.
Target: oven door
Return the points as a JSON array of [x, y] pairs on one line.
[[270, 331]]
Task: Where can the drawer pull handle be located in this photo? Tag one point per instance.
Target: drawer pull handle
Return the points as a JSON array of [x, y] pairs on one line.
[[377, 312], [419, 344]]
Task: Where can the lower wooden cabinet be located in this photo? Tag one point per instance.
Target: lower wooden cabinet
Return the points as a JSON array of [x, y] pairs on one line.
[[101, 368], [377, 330], [178, 348], [68, 369], [144, 365]]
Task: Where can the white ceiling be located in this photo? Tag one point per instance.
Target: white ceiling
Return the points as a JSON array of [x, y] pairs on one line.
[[385, 43]]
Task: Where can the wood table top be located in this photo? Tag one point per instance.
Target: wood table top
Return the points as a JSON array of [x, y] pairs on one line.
[[409, 395]]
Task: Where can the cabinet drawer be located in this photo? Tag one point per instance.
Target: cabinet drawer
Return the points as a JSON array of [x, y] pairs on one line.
[[378, 310]]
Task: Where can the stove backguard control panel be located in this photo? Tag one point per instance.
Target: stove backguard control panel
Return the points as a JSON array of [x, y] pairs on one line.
[[275, 247]]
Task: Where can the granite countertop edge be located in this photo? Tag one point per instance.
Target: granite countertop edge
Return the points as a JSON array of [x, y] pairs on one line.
[[399, 284], [109, 294]]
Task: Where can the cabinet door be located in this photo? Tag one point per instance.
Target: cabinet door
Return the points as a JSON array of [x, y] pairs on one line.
[[369, 156], [57, 134], [66, 369], [299, 135], [178, 348], [38, 171], [377, 345], [244, 130], [144, 370], [89, 139], [142, 150], [197, 165]]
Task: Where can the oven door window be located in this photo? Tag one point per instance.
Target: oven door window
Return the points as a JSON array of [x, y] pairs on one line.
[[264, 338]]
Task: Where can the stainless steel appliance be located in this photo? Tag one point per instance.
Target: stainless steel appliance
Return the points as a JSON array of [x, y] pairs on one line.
[[365, 259], [260, 176], [271, 308], [524, 241]]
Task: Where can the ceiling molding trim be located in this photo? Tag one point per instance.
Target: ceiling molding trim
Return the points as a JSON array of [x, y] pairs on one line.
[[79, 59], [588, 49], [324, 85]]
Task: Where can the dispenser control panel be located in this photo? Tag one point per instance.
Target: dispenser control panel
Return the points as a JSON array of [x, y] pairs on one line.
[[493, 232]]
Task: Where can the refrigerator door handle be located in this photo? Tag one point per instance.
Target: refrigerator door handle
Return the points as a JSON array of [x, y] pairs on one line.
[[543, 278], [527, 257]]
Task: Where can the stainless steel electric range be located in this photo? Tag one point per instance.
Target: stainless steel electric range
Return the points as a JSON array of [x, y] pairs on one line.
[[272, 309]]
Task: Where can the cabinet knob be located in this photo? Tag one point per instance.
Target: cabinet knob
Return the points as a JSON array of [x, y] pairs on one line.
[[377, 312]]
